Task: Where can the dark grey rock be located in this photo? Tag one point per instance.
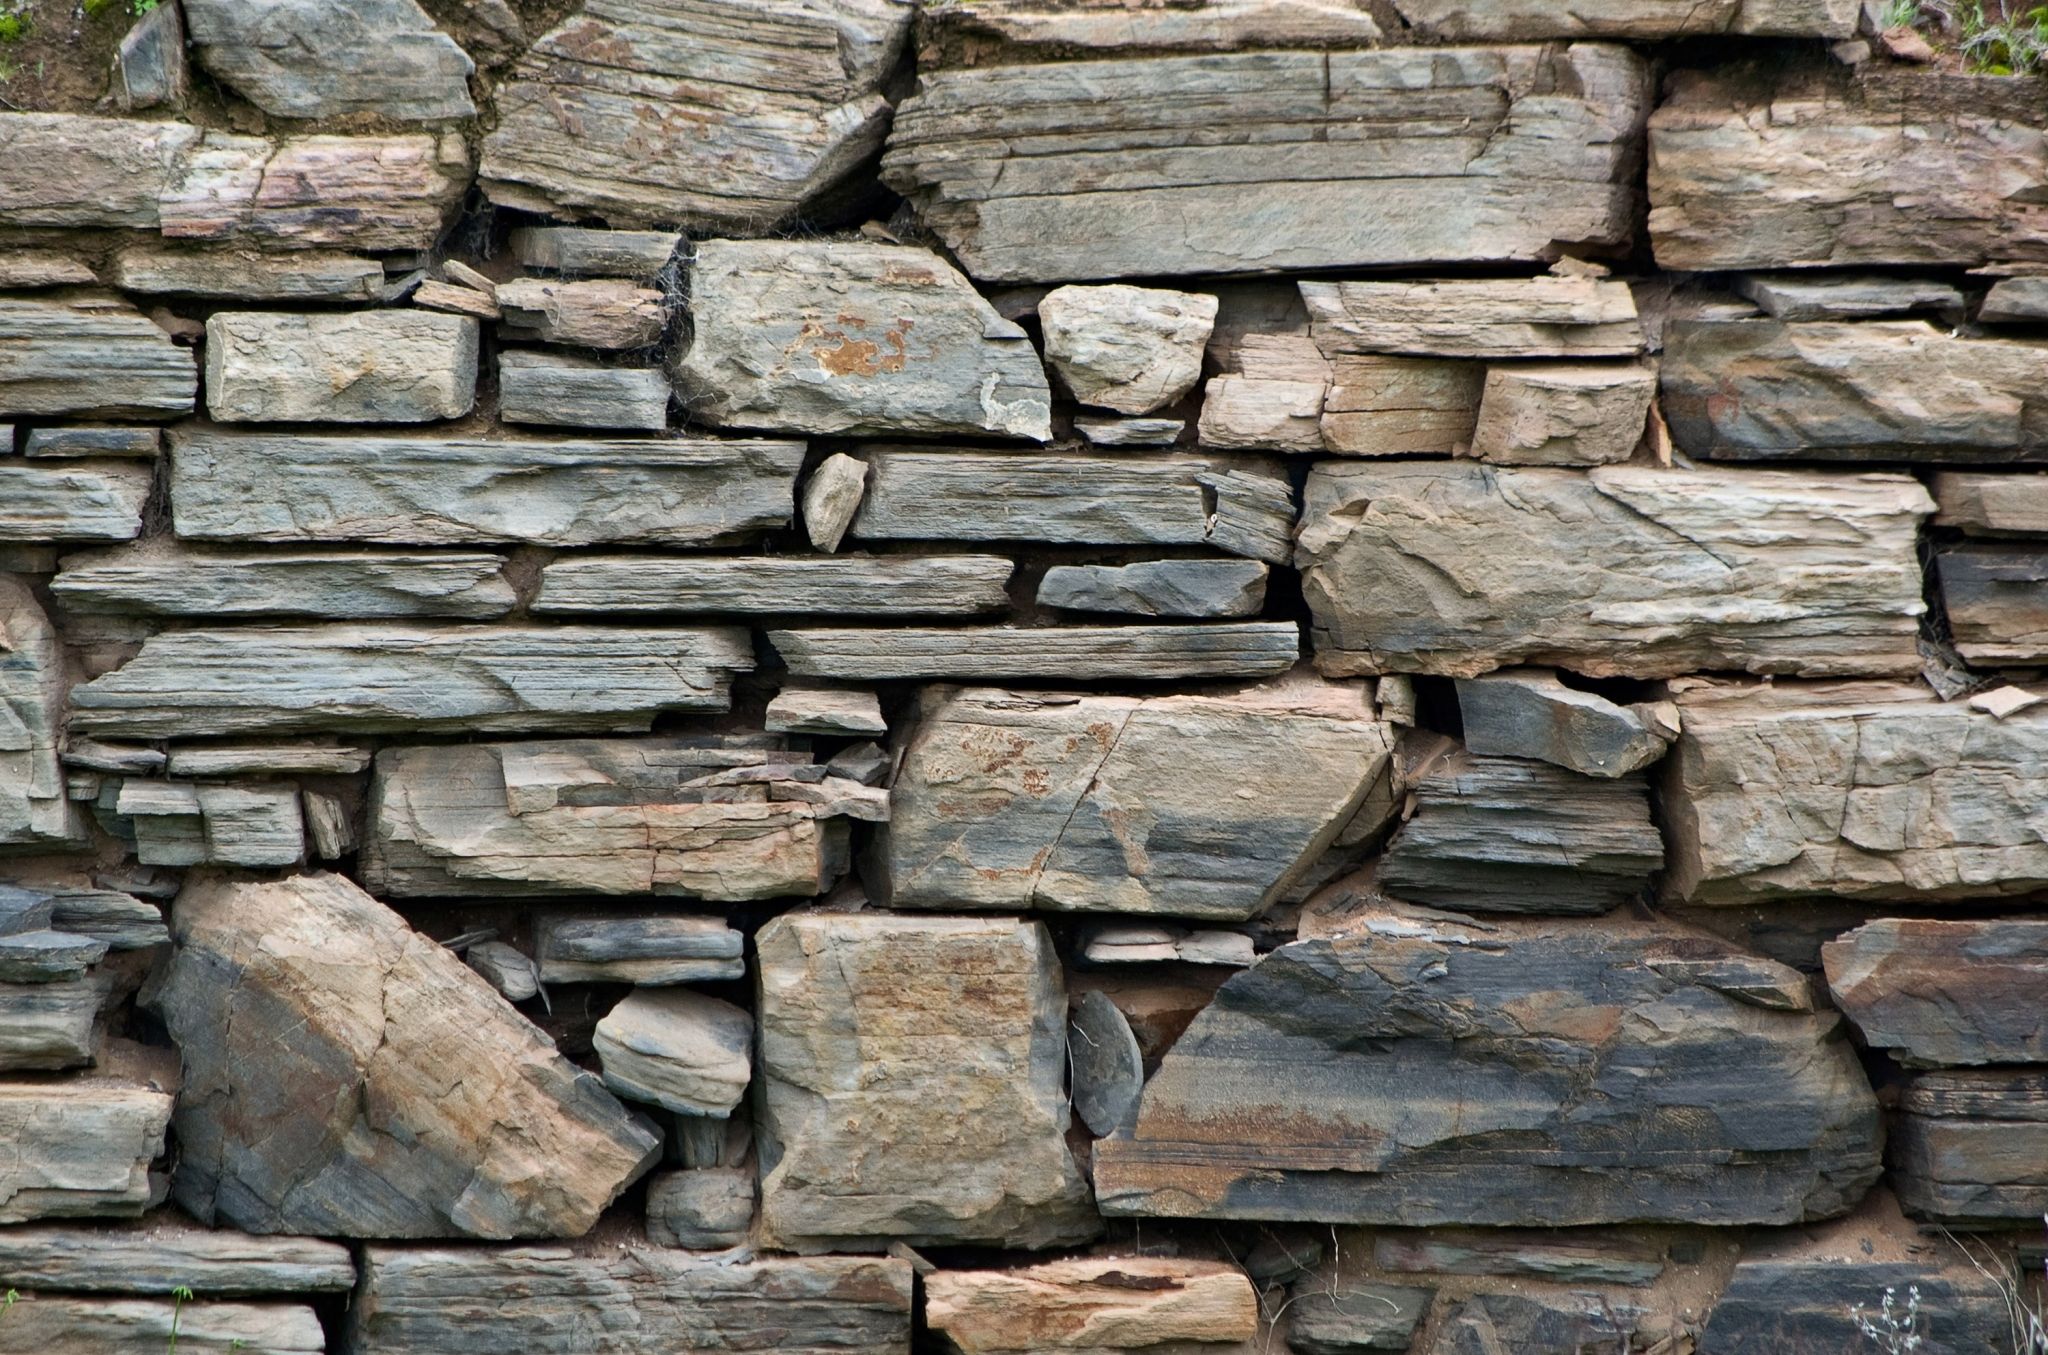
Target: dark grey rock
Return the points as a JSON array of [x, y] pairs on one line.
[[603, 948], [303, 59], [1325, 1320], [565, 391], [1972, 1147], [86, 440], [708, 1207], [1107, 1070], [1158, 588], [1528, 713]]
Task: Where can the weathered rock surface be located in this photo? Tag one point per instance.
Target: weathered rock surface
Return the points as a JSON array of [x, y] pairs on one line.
[[1385, 406], [33, 807], [1243, 649], [1263, 413], [229, 486], [1103, 432], [1563, 414], [88, 440], [579, 948], [1591, 1259], [1845, 296], [655, 1302], [1529, 713], [601, 816], [1996, 598], [385, 366], [386, 676], [994, 32], [573, 392], [1992, 504], [943, 1126], [704, 1208], [679, 1050], [57, 1324], [1766, 390], [1269, 160], [48, 956], [1779, 166], [1130, 349], [344, 1075], [1096, 1304], [579, 252], [1105, 1066], [819, 337], [155, 268], [817, 710], [1151, 944], [892, 585], [1540, 317], [191, 581], [604, 313], [355, 192], [694, 113], [506, 968], [89, 355], [270, 759], [1199, 588], [1356, 1318], [123, 921], [1859, 790], [156, 1256], [1621, 570], [1973, 1147], [832, 496], [177, 824], [1130, 804], [150, 69], [1362, 1079], [299, 59], [1527, 20], [1240, 504], [46, 1025], [72, 501], [2022, 300], [1937, 992], [79, 1148], [1507, 835]]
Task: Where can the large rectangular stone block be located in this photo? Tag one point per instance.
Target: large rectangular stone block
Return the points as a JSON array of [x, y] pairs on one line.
[[385, 366], [78, 1148], [175, 581], [93, 356]]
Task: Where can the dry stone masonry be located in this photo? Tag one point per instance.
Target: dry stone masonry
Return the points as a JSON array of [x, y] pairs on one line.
[[1021, 677]]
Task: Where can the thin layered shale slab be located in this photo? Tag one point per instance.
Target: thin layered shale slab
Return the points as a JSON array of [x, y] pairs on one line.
[[1256, 161], [346, 1076], [888, 585], [303, 60], [997, 32], [369, 677], [51, 1024], [1456, 569], [1529, 20], [653, 1301], [1056, 654], [59, 1324], [353, 192], [89, 355], [709, 817], [1097, 1305], [435, 491], [1539, 317], [1932, 991], [1972, 1147], [80, 1147], [1775, 165], [822, 337], [72, 500], [911, 1076], [33, 804], [159, 1254], [693, 113], [1996, 596], [194, 581], [1113, 803], [1421, 1069], [1857, 790], [382, 366]]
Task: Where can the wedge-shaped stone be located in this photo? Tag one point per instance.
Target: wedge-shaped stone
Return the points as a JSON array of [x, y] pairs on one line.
[[655, 1301], [572, 392], [683, 1051], [842, 585], [649, 951], [302, 59], [1130, 804], [48, 956], [1204, 588], [387, 366], [123, 921], [997, 32], [157, 1256], [1457, 569], [1563, 414], [1360, 1079], [270, 759], [1760, 390], [454, 491], [1096, 1304], [72, 501], [1238, 649], [821, 337], [603, 313], [150, 69], [1539, 317], [1781, 166], [1529, 713], [385, 677], [1241, 504], [1992, 505], [33, 807], [694, 113], [1846, 296], [358, 192], [1385, 406], [1996, 597], [1530, 20], [46, 1025], [2021, 300], [948, 1127], [90, 355], [1933, 992], [1260, 161], [345, 1075], [1130, 349], [59, 1324], [155, 268], [1973, 1147], [1860, 790], [78, 1148], [1507, 835], [580, 252], [600, 816], [201, 582]]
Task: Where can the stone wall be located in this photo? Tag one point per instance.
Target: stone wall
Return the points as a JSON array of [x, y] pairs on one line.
[[726, 677]]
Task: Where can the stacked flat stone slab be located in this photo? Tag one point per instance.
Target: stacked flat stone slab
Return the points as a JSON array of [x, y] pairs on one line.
[[305, 61], [94, 356], [366, 367]]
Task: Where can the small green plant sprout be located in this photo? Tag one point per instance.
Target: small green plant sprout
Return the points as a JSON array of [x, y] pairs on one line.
[[1900, 14], [14, 20], [1894, 1330], [8, 1300], [180, 1296]]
